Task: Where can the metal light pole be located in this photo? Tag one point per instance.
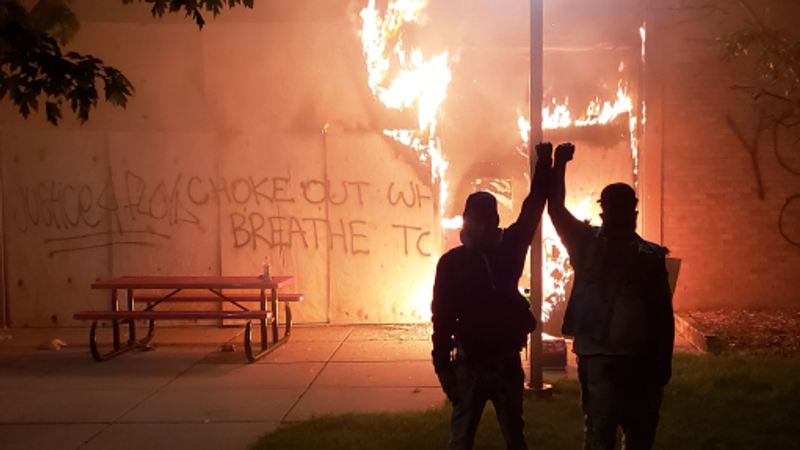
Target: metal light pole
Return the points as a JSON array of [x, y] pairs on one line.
[[536, 382]]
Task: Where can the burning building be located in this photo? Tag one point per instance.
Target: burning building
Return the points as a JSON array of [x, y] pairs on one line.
[[340, 139]]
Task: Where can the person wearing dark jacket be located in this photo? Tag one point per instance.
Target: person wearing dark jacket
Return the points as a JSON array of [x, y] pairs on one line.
[[620, 314], [480, 319]]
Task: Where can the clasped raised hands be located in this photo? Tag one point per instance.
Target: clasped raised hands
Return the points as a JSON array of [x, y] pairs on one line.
[[544, 151], [564, 153]]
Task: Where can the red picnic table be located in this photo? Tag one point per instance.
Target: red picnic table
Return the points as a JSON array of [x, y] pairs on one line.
[[232, 290]]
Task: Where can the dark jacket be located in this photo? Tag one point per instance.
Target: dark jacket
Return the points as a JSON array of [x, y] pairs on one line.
[[632, 273], [621, 302], [476, 301]]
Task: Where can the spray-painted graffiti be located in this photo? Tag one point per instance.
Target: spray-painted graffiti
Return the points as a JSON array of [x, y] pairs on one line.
[[288, 232], [418, 236], [260, 212], [64, 206], [317, 191], [159, 202], [240, 191], [56, 205], [409, 198]]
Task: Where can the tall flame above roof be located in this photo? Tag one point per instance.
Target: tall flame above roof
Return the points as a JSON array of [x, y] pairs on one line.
[[402, 78], [415, 82]]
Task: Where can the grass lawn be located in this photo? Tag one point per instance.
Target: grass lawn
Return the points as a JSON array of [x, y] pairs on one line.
[[712, 403]]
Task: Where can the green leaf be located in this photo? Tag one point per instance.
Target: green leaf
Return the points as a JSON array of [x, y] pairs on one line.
[[33, 65], [198, 18], [53, 110], [24, 109], [192, 8]]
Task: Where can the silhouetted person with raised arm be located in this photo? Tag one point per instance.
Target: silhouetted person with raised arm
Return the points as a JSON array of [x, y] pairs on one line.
[[620, 314], [480, 319]]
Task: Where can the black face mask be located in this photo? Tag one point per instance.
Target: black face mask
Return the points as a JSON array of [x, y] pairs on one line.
[[480, 238], [619, 225]]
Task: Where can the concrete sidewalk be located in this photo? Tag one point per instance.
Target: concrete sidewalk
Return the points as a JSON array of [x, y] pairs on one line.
[[187, 394]]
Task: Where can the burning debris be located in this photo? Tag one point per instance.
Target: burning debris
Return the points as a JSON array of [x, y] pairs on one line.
[[406, 78]]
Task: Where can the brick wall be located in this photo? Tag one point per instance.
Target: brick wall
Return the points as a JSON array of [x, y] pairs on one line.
[[730, 241]]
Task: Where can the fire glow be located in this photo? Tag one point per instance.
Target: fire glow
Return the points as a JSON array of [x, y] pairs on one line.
[[557, 115], [556, 270], [406, 79], [403, 78]]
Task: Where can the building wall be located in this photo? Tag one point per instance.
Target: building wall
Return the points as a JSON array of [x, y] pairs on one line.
[[250, 138], [737, 249], [258, 136]]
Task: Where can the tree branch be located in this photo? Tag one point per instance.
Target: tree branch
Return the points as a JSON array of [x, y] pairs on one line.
[[752, 149], [757, 93]]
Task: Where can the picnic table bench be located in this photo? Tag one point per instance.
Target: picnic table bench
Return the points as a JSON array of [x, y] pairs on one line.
[[193, 290]]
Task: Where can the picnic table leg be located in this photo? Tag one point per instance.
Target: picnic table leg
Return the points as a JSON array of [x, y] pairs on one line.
[[118, 350], [263, 304], [248, 337], [276, 316], [93, 343], [288, 320], [131, 324], [248, 344], [115, 323], [132, 343], [273, 322]]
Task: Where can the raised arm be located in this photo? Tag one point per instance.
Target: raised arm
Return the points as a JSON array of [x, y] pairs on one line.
[[565, 223], [533, 205]]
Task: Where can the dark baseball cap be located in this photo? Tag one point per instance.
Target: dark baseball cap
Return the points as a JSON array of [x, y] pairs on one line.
[[618, 197], [481, 207]]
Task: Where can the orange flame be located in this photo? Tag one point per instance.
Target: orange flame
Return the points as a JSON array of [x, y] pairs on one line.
[[643, 36], [556, 271], [403, 78], [524, 128], [597, 113], [417, 83], [454, 223]]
